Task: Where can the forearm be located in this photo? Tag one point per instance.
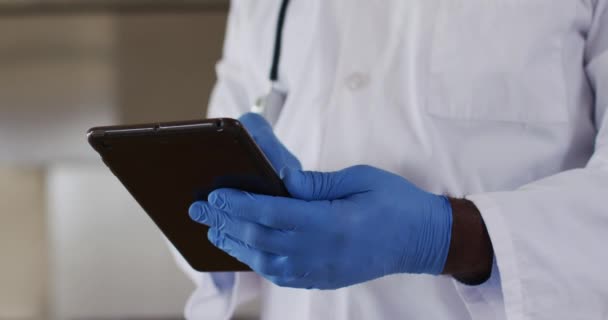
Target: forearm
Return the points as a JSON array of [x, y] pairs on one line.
[[470, 257]]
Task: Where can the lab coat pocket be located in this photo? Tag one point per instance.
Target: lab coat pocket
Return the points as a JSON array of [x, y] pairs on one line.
[[499, 60]]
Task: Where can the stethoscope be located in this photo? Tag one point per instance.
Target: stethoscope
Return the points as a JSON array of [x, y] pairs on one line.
[[271, 104]]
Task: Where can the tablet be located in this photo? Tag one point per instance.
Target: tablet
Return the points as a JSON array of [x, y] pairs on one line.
[[168, 166]]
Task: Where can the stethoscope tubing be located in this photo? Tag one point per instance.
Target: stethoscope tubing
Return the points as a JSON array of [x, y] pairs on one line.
[[278, 42]]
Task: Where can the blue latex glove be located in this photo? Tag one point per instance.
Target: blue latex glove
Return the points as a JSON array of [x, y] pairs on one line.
[[261, 131], [262, 134], [340, 228]]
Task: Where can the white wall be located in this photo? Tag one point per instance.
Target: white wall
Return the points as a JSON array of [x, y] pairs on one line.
[[23, 266], [108, 260], [57, 79]]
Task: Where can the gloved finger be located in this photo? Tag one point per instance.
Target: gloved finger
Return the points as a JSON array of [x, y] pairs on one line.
[[259, 261], [296, 282], [311, 185], [262, 133], [274, 212], [206, 214], [255, 123], [259, 236]]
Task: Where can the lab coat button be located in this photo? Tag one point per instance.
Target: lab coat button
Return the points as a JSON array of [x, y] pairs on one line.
[[357, 81]]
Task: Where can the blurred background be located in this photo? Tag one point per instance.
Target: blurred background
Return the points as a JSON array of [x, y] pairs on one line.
[[73, 244]]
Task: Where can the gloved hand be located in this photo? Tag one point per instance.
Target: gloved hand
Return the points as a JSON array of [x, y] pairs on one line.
[[341, 228], [261, 132]]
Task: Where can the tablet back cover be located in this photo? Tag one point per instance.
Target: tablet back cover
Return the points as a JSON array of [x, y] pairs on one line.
[[167, 167]]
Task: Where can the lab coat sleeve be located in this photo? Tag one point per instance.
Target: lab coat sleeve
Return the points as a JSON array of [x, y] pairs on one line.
[[550, 236], [216, 296]]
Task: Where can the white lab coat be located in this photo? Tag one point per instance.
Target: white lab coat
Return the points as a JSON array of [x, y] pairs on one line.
[[500, 101]]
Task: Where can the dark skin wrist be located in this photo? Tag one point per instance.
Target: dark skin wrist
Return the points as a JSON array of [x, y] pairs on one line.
[[471, 255]]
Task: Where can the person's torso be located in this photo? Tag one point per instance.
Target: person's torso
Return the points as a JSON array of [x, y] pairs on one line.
[[458, 96]]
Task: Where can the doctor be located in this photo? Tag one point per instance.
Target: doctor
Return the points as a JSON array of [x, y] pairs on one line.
[[457, 157]]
